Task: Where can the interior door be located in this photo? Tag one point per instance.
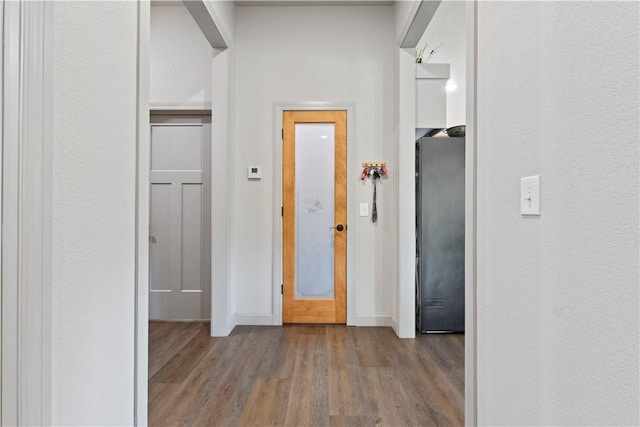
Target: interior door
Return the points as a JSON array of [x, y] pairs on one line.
[[314, 216], [180, 233]]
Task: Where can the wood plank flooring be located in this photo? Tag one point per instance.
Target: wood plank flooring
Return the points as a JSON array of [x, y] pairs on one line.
[[303, 376]]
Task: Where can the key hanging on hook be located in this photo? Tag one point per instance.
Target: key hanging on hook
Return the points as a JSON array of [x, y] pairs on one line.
[[374, 210], [375, 171], [365, 171]]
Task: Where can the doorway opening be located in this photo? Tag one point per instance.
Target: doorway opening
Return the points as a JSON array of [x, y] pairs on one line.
[[402, 294], [343, 128], [180, 218], [440, 82], [443, 48]]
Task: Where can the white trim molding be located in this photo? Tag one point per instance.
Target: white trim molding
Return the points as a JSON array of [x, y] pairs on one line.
[[352, 204], [222, 204], [26, 234], [471, 209], [267, 319], [10, 185], [1, 188], [372, 320], [406, 193], [254, 319], [188, 106], [143, 156]]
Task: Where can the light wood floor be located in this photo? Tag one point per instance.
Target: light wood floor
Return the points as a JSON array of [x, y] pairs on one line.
[[303, 376]]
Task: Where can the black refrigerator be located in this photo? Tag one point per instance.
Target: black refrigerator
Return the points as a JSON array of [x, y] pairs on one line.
[[440, 179]]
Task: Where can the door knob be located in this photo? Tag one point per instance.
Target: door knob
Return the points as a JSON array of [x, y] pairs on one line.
[[339, 227]]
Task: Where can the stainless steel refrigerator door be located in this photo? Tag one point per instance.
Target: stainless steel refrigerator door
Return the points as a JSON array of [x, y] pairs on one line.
[[441, 233]]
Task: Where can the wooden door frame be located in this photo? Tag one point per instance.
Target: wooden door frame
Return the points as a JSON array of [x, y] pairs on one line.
[[278, 110]]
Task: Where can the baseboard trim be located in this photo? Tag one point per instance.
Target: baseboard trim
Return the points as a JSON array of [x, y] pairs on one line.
[[233, 322], [254, 319], [394, 325], [267, 319], [373, 320]]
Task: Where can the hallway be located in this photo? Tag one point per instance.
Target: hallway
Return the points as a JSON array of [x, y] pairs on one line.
[[303, 375]]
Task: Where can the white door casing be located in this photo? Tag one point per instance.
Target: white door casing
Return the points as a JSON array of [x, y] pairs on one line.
[[179, 238], [26, 212], [278, 109]]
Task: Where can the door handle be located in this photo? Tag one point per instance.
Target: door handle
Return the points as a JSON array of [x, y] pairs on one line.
[[338, 227]]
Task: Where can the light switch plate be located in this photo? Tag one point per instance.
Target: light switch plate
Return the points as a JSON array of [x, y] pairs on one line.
[[530, 195], [364, 209]]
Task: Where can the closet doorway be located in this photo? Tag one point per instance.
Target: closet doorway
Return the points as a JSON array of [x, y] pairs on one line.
[[180, 218]]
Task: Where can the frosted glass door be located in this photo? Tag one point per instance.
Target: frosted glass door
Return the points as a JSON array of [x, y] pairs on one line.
[[314, 200], [314, 215]]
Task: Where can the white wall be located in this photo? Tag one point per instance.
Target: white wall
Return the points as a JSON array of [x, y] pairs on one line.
[[448, 26], [180, 58], [94, 152], [558, 295], [304, 54]]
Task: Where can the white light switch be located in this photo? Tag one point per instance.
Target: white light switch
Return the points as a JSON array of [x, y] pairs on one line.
[[364, 209], [530, 195]]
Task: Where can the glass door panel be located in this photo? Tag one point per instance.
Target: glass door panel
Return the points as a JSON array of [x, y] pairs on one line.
[[314, 200]]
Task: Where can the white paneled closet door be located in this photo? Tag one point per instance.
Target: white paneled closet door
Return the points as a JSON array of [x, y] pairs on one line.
[[180, 222]]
